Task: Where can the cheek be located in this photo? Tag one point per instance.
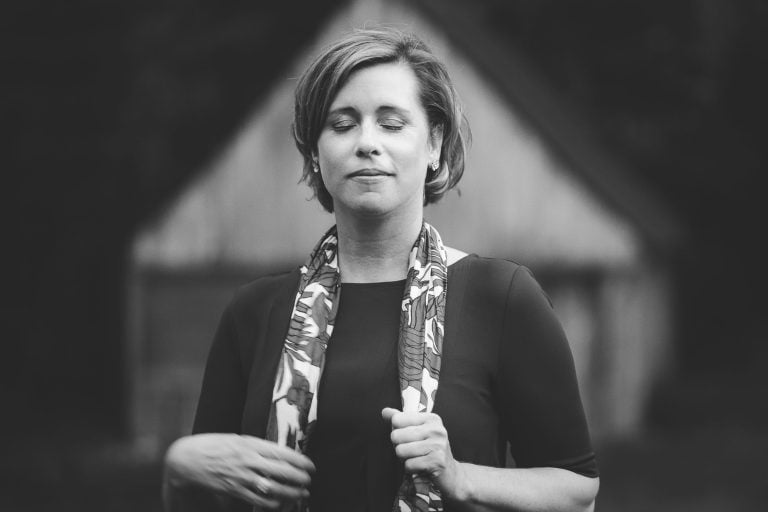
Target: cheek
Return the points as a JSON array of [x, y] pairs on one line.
[[414, 152], [330, 152]]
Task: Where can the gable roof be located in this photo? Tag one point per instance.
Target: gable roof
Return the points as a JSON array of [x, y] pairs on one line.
[[559, 122]]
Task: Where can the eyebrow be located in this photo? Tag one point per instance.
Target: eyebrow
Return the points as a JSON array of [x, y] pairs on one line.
[[381, 110], [390, 108]]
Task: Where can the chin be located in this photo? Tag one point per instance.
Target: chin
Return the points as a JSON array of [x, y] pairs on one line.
[[375, 205], [370, 205], [369, 210]]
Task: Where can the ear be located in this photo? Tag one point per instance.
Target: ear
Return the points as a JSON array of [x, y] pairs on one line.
[[435, 142]]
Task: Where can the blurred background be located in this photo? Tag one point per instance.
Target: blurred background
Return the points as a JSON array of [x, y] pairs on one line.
[[617, 152]]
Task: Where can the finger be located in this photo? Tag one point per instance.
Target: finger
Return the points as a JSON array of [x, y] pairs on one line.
[[410, 434], [280, 470], [387, 413], [414, 450], [419, 465], [255, 497], [430, 464], [407, 419], [274, 451], [399, 419], [274, 490]]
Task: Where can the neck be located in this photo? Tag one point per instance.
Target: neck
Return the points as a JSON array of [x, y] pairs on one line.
[[375, 249]]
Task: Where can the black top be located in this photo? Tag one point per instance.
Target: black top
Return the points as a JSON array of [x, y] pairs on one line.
[[507, 376], [351, 447]]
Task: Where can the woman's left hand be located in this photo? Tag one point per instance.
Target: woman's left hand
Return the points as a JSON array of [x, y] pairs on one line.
[[421, 442]]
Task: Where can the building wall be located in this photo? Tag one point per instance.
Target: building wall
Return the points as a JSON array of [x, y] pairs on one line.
[[619, 326], [518, 200], [636, 310]]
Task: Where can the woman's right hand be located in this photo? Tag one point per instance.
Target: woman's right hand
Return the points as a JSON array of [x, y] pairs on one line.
[[249, 468]]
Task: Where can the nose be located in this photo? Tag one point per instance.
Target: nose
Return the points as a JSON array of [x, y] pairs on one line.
[[368, 141]]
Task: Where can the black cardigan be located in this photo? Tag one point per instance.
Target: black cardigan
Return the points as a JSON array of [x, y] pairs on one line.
[[507, 376]]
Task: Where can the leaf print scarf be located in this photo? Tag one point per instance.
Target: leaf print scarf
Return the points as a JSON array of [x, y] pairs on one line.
[[293, 413]]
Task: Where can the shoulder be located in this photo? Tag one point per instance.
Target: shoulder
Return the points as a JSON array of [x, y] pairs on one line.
[[496, 279], [263, 292], [253, 308]]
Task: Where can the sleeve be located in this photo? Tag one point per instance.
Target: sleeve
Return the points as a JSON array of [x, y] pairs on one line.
[[222, 396], [541, 410]]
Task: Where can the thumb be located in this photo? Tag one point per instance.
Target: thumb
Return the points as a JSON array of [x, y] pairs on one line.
[[387, 413]]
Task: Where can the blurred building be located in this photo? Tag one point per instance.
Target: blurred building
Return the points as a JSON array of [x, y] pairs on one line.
[[538, 189]]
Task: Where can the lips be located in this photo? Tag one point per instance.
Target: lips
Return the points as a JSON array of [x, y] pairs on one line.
[[369, 173]]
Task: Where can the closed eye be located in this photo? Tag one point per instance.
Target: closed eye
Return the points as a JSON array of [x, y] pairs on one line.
[[392, 124], [342, 126]]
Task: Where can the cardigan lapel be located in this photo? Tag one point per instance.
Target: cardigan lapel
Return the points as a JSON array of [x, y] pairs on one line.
[[266, 356]]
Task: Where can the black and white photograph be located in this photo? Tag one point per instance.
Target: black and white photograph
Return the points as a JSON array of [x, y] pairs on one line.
[[385, 255]]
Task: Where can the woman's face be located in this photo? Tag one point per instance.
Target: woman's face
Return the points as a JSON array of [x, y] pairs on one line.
[[376, 144]]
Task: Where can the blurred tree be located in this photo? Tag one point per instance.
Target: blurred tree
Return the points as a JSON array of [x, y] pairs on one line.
[[677, 88], [113, 107]]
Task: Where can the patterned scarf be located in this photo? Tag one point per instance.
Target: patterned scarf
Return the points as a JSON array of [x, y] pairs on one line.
[[293, 413]]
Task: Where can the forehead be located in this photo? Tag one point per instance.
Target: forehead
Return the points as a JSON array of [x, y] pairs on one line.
[[392, 84]]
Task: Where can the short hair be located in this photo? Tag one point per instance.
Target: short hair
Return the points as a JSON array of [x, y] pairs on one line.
[[328, 73]]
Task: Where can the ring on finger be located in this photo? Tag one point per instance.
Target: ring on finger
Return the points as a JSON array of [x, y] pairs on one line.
[[263, 485]]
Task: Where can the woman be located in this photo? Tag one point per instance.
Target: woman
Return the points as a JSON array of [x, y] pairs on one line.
[[290, 416]]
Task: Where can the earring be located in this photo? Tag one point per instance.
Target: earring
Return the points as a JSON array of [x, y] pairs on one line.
[[435, 165], [315, 167]]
